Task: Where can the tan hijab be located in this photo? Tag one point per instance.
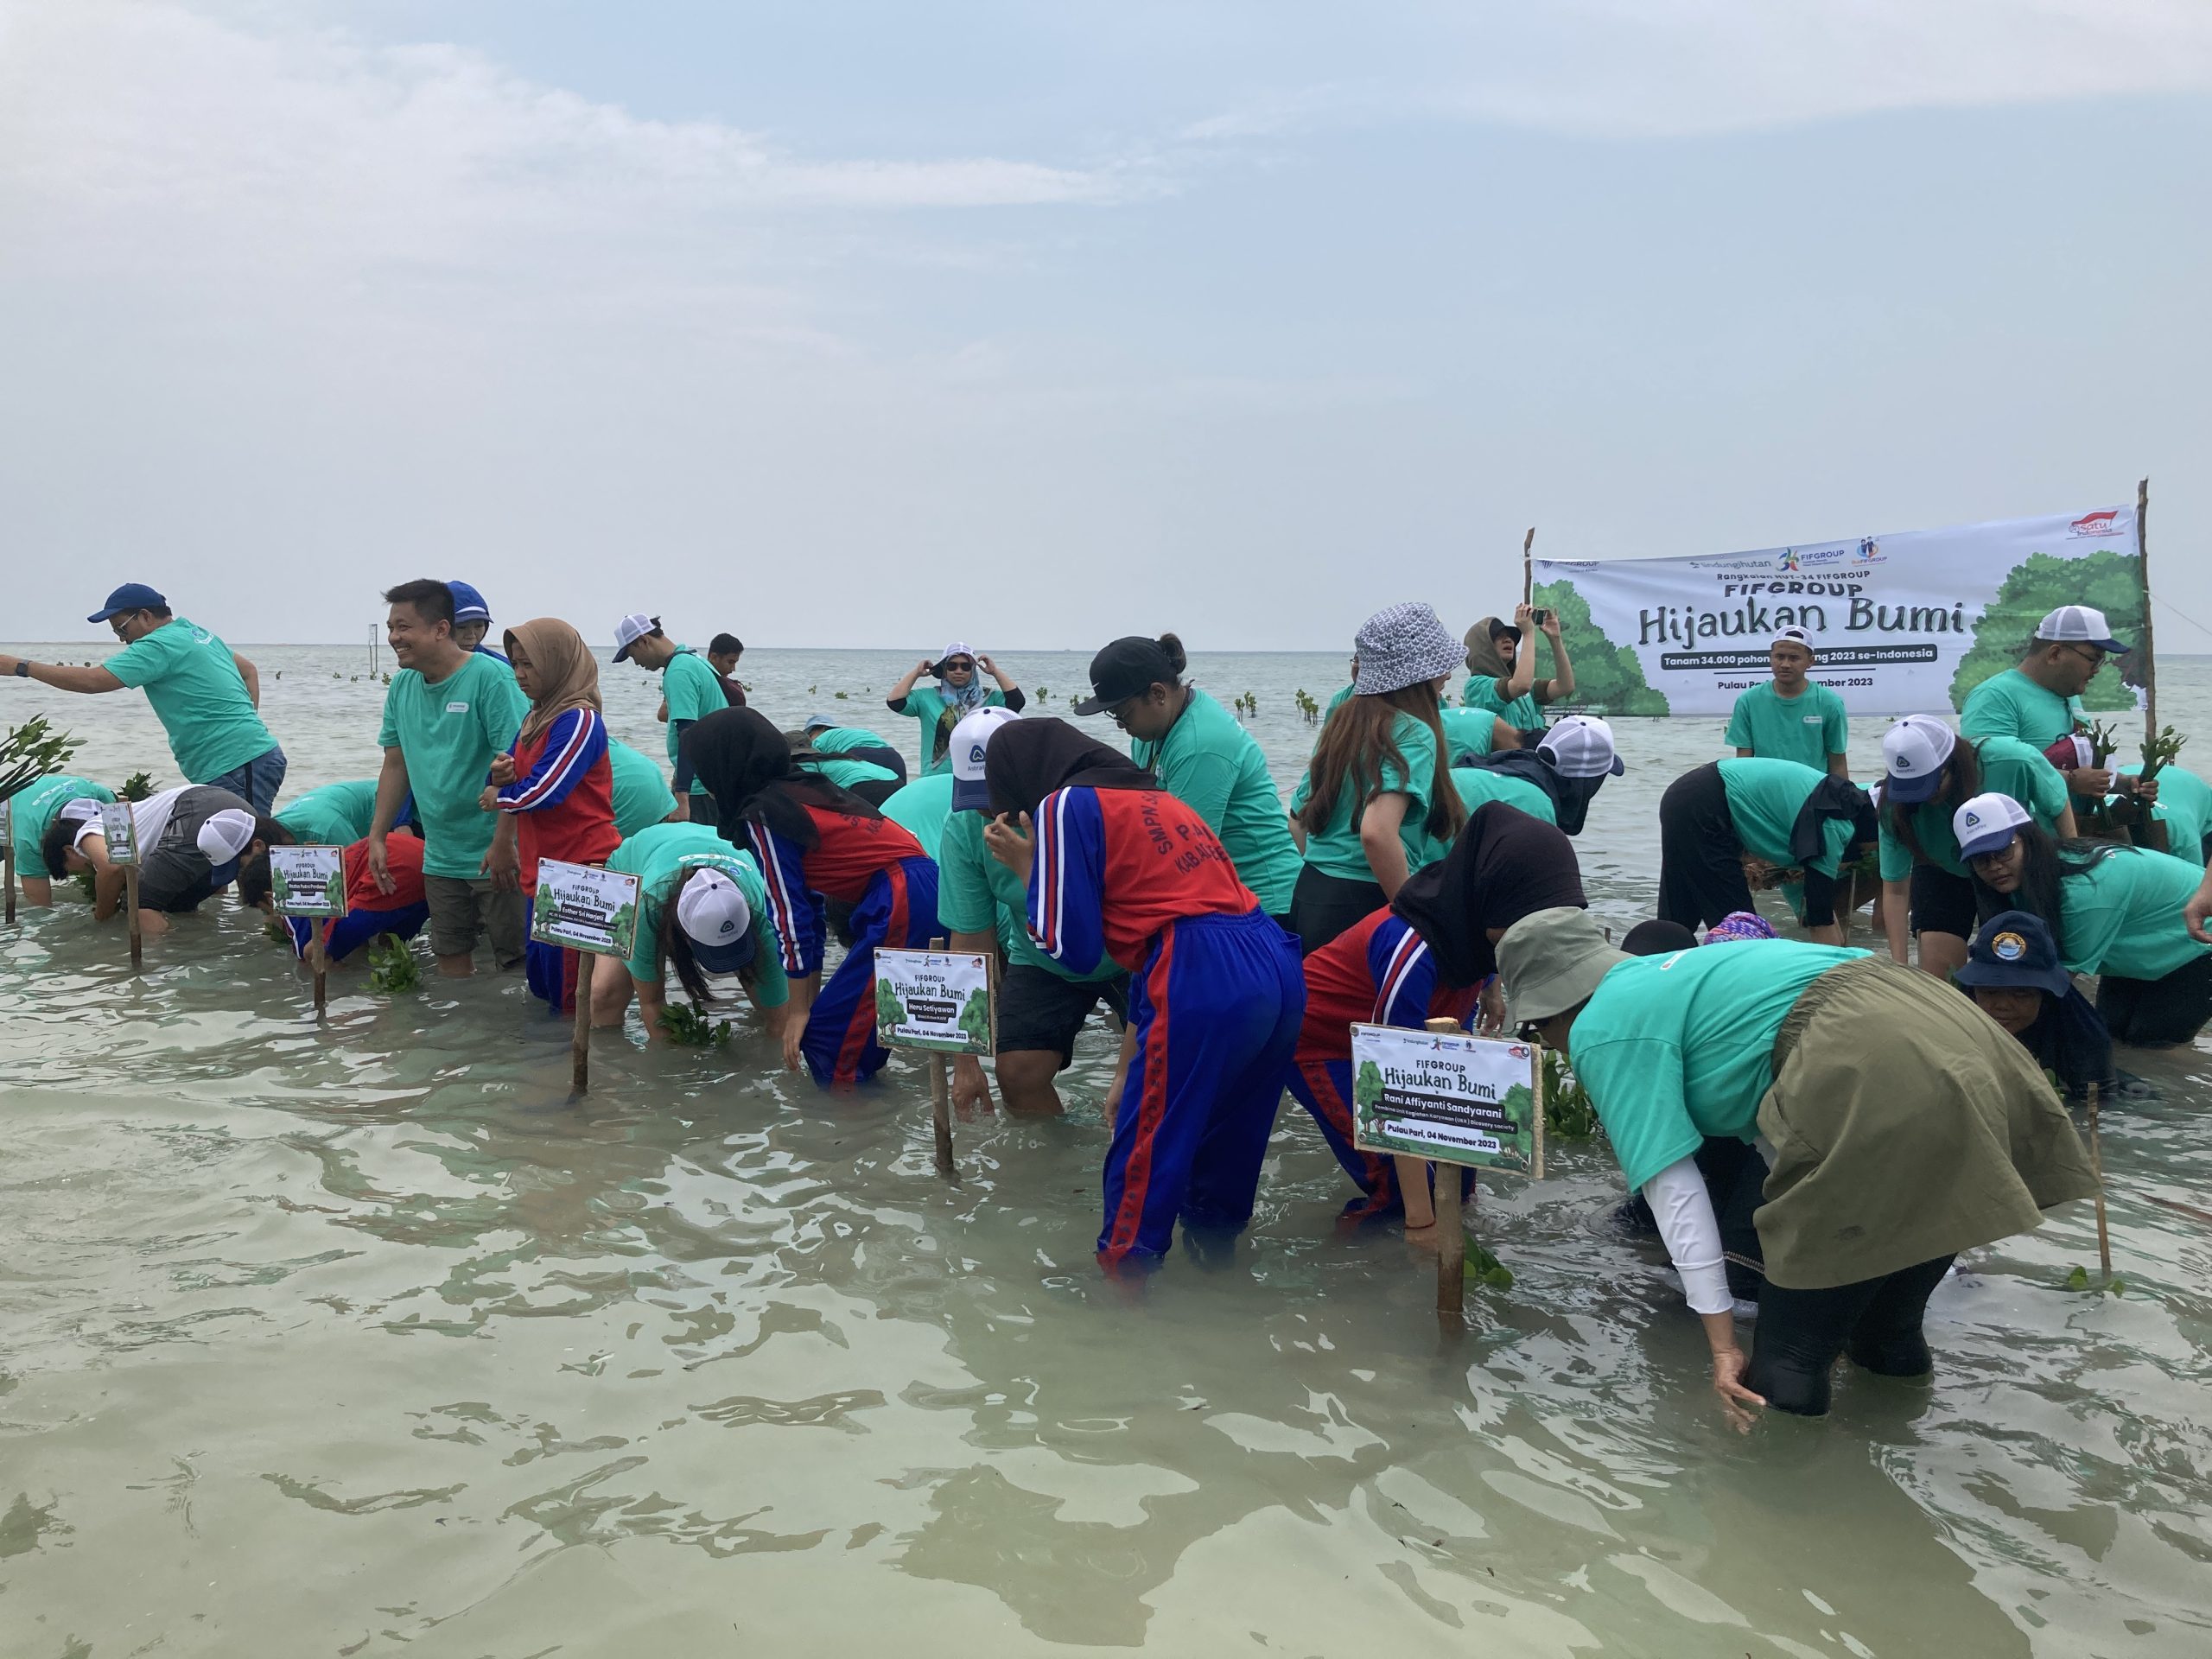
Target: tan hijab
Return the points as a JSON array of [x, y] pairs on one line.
[[567, 673], [1483, 660]]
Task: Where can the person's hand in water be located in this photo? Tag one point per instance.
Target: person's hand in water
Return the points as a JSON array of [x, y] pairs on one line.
[[971, 1089], [1728, 1367], [794, 1028], [1012, 847]]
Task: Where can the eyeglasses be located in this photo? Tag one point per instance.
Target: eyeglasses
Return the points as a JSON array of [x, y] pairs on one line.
[[2094, 653], [959, 666], [115, 623]]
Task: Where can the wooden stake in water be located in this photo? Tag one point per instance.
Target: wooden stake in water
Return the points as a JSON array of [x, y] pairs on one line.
[[1528, 567], [1451, 1228], [2097, 1169], [579, 1045], [130, 910], [7, 865], [941, 1098], [318, 959]]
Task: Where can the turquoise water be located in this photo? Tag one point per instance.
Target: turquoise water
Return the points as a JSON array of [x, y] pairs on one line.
[[359, 1339]]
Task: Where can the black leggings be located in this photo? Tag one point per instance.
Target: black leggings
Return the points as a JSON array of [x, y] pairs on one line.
[[1800, 1333], [1700, 857], [1322, 906], [2157, 1012]]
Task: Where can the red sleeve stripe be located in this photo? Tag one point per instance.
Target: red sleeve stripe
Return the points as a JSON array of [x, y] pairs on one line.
[[1409, 951]]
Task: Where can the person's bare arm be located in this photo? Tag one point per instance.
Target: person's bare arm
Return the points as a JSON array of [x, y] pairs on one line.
[[1516, 685], [392, 790], [1745, 754], [38, 892], [62, 677], [1560, 686], [1838, 766], [1378, 839], [1896, 900], [250, 674]]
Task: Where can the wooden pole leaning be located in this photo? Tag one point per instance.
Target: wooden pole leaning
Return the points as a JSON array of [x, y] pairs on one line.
[[2097, 1171], [8, 865], [2143, 565], [1528, 565], [319, 960], [941, 1096], [1451, 1227]]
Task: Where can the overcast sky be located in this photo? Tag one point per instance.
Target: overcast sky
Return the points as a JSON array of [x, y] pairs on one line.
[[1034, 324]]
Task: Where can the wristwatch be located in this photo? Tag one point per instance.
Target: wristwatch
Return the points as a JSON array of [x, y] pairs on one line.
[[22, 669]]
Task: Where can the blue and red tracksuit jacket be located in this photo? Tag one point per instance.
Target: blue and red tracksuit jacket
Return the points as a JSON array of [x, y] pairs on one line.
[[563, 795], [847, 854], [1379, 972], [1116, 866]]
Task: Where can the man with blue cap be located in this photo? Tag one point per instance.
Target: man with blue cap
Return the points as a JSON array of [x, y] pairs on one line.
[[472, 620], [207, 696]]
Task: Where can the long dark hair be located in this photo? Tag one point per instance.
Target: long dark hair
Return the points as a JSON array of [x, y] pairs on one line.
[[1962, 783], [675, 947], [1357, 745], [2045, 863], [54, 847]]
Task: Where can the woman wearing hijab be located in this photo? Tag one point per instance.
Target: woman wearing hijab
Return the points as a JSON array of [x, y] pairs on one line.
[[1425, 957], [959, 692], [1568, 766], [818, 843], [1929, 771], [1116, 867], [1501, 664], [1377, 801], [1782, 812], [554, 790], [1901, 1127], [2014, 975], [2114, 911]]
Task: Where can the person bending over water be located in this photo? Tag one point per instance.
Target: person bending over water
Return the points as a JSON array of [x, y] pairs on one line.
[[1569, 764], [702, 909], [1904, 1127], [1782, 814], [32, 811], [190, 842], [1116, 867], [370, 910]]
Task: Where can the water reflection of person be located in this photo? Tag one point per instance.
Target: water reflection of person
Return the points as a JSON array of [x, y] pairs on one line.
[[1904, 1129]]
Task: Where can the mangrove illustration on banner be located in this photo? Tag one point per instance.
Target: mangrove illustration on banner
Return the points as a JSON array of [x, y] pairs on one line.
[[1904, 622]]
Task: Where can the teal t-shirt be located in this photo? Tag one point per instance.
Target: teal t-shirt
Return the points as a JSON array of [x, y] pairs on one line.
[[2011, 704], [1477, 786], [937, 716], [1807, 729], [2008, 768], [694, 691], [919, 809], [447, 734], [1335, 851], [1468, 732], [2184, 807], [1213, 766], [642, 795], [336, 815], [659, 855], [1480, 693], [1677, 1047], [2122, 915], [842, 740], [846, 774], [1765, 797], [975, 893], [31, 811], [199, 696]]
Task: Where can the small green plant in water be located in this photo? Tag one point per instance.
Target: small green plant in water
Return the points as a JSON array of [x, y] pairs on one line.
[[1307, 707], [393, 967], [689, 1027], [2079, 1279], [30, 752], [273, 928], [1568, 1114], [136, 787], [85, 886], [1487, 1268]]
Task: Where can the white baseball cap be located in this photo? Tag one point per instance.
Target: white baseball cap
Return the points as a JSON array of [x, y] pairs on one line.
[[969, 738], [631, 629], [1793, 637], [1986, 823], [1913, 754], [957, 648], [225, 835], [712, 911], [1581, 746], [2078, 624]]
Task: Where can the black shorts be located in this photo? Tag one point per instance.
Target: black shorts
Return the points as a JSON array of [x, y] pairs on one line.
[[1039, 1009], [2157, 1012], [1941, 902]]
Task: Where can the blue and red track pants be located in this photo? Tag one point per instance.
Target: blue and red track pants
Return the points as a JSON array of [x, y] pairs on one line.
[[898, 910]]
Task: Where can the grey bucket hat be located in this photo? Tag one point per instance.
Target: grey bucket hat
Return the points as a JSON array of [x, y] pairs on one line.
[[1551, 962], [1402, 646]]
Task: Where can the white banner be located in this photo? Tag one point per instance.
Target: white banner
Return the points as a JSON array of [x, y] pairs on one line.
[[933, 999], [1905, 623], [307, 881]]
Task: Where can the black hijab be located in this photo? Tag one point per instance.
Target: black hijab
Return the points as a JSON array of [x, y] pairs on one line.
[[746, 766], [1029, 758], [1833, 797], [1570, 796], [1505, 865]]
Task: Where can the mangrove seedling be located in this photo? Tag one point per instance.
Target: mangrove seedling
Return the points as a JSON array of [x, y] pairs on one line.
[[2161, 752], [136, 787], [32, 751], [393, 967], [1487, 1268], [1568, 1113], [690, 1028]]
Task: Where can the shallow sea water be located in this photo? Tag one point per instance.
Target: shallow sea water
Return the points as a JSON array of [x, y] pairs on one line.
[[359, 1339]]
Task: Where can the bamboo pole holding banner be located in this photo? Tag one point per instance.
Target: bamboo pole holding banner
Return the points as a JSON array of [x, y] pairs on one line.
[[318, 959], [1451, 1227], [580, 1043], [941, 1095], [2143, 568], [2097, 1170], [1528, 565]]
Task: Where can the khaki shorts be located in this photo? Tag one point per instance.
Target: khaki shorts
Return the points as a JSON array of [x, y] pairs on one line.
[[462, 913]]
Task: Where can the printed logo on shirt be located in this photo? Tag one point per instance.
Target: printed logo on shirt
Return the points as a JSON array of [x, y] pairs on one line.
[[1810, 720], [2009, 947], [456, 708]]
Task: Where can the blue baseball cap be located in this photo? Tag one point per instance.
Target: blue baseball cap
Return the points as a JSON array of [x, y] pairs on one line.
[[468, 604], [131, 596], [2014, 947]]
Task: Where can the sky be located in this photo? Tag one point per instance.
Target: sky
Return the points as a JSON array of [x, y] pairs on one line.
[[1036, 324]]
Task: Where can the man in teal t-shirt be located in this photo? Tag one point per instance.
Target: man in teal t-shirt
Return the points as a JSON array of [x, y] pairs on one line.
[[447, 713], [31, 811], [1791, 717], [2040, 699], [690, 689], [205, 695], [984, 906]]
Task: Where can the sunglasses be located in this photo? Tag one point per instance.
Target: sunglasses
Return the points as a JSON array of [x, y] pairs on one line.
[[115, 623]]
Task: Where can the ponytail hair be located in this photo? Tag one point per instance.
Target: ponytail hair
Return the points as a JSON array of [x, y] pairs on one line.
[[1172, 648]]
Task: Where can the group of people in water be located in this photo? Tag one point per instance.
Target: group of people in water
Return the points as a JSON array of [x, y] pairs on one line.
[[1817, 1129]]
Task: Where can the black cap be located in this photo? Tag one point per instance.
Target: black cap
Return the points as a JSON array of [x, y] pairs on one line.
[[1129, 667], [2015, 948]]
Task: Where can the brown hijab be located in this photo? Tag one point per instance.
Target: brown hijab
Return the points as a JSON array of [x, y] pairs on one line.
[[566, 672], [1483, 658]]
